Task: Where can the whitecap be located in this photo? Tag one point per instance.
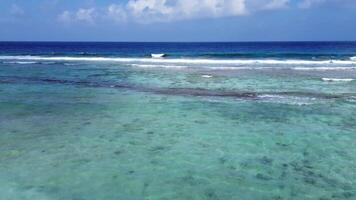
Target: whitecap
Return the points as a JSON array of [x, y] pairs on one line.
[[322, 68], [70, 64], [159, 66], [187, 61], [20, 62], [337, 79], [285, 99], [351, 99]]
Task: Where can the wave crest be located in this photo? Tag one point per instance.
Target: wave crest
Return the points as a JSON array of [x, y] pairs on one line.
[[184, 60], [337, 79]]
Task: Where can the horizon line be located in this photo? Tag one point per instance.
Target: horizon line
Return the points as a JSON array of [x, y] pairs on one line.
[[92, 41]]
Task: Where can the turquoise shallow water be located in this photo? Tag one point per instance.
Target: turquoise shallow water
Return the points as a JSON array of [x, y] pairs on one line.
[[113, 131], [88, 121]]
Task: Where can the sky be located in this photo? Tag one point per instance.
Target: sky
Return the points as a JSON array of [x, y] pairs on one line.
[[177, 20]]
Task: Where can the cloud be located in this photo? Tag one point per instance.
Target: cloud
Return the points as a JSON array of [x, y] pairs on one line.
[[309, 3], [116, 13], [85, 15], [65, 16], [149, 7], [171, 10], [212, 8], [81, 15], [276, 4], [150, 11]]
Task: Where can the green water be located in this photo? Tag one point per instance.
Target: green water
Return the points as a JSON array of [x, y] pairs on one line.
[[85, 142]]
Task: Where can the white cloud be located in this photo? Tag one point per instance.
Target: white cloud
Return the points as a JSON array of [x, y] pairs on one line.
[[81, 15], [212, 8], [276, 4], [236, 7], [65, 16], [149, 11], [116, 12], [168, 10], [85, 15], [139, 8], [309, 3]]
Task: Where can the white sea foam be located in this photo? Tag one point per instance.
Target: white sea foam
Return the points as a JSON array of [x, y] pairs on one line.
[[207, 76], [353, 58], [351, 99], [285, 99], [337, 79], [322, 68], [20, 62], [185, 60], [300, 65], [70, 64], [159, 66], [236, 68]]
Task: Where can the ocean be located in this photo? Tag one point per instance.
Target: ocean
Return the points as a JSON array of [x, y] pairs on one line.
[[243, 120]]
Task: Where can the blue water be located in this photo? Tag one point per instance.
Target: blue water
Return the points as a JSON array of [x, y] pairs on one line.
[[254, 121], [312, 50]]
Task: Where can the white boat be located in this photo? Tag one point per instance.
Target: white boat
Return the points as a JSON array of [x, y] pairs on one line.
[[160, 55]]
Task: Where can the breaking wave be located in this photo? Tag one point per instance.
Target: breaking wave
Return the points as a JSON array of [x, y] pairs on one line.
[[184, 60], [337, 79]]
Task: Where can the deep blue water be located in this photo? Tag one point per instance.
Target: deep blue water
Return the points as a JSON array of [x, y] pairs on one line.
[[307, 50]]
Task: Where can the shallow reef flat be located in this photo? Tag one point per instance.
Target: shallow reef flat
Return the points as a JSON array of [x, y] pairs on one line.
[[88, 130]]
